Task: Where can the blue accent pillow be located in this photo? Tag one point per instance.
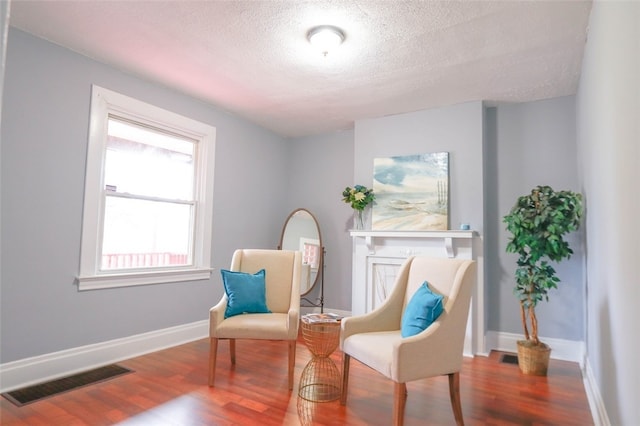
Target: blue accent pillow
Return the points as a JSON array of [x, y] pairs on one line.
[[422, 310], [246, 293]]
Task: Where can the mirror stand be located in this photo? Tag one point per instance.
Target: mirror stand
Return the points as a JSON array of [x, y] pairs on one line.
[[320, 299]]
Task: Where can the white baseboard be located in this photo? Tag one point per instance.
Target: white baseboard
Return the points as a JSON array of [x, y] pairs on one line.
[[29, 371], [596, 404], [565, 350]]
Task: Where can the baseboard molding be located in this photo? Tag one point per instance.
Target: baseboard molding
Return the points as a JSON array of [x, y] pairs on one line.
[[29, 371], [565, 350], [596, 403]]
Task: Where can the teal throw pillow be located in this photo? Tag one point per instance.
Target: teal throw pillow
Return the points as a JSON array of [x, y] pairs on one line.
[[422, 310], [246, 293]]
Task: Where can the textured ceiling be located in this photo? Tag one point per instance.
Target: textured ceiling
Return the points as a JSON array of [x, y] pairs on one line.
[[252, 57]]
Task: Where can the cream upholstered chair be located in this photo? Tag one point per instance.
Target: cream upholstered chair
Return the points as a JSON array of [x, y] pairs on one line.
[[282, 284], [375, 338]]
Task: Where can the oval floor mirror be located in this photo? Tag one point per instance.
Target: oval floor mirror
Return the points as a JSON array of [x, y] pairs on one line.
[[302, 232]]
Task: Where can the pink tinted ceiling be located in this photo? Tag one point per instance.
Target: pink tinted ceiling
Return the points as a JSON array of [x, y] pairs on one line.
[[252, 57]]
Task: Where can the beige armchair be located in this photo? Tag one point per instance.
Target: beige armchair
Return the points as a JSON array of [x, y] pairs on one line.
[[282, 283], [375, 339]]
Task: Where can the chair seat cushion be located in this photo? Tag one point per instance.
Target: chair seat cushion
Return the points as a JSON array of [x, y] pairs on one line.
[[374, 349], [255, 326], [421, 311], [246, 293]]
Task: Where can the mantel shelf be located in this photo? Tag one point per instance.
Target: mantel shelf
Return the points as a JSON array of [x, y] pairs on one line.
[[448, 237]]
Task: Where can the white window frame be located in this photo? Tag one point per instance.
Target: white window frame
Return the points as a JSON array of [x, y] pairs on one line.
[[103, 103]]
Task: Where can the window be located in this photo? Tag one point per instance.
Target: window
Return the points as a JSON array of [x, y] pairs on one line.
[[148, 195]]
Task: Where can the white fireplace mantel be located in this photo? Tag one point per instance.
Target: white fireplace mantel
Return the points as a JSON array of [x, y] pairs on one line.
[[448, 238]]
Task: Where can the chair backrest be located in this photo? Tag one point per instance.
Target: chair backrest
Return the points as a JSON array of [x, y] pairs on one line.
[[282, 277], [442, 274], [451, 278]]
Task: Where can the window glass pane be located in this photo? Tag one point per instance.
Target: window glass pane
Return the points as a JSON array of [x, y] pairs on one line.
[[148, 162], [145, 234]]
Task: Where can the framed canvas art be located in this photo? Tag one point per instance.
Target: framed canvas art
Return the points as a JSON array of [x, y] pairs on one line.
[[412, 192]]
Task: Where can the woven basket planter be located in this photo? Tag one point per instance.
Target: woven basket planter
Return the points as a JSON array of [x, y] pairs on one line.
[[533, 359]]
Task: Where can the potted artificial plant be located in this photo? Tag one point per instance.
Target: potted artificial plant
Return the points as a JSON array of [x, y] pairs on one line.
[[538, 222]]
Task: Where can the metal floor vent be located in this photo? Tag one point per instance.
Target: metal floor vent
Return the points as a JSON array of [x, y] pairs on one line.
[[40, 391], [509, 359]]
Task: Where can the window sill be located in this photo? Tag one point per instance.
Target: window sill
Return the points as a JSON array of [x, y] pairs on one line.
[[96, 282]]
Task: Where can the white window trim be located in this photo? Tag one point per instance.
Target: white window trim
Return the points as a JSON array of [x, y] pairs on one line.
[[103, 102]]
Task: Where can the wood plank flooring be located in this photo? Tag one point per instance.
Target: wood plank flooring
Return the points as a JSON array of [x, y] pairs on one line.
[[169, 388]]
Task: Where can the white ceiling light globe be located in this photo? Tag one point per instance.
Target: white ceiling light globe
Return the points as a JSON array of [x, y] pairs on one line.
[[325, 38]]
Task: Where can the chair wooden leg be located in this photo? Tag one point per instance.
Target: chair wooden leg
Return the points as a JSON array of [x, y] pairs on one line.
[[213, 352], [232, 351], [454, 393], [292, 361], [399, 403], [345, 378]]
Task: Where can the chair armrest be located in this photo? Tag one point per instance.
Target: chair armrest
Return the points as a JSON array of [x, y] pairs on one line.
[[216, 315], [293, 322], [293, 314], [434, 349], [386, 318]]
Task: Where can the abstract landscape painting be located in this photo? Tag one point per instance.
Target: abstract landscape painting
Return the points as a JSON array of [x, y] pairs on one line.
[[412, 192]]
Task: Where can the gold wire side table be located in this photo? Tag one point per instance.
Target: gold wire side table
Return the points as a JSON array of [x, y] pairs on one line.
[[320, 380]]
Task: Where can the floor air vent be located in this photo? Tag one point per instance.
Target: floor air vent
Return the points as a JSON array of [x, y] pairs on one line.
[[509, 359], [34, 393]]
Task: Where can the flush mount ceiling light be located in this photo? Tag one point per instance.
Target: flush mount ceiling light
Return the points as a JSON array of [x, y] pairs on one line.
[[325, 38]]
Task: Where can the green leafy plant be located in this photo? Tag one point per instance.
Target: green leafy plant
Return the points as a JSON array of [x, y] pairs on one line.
[[538, 222], [359, 197]]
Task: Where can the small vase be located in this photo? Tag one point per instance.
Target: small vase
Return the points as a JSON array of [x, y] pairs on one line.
[[358, 219]]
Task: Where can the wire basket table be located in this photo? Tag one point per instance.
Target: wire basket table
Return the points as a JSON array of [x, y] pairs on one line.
[[320, 380]]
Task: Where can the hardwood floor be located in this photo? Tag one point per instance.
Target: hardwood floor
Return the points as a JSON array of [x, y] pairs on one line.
[[169, 387]]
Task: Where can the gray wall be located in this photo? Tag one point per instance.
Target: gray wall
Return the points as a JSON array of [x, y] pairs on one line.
[[515, 135], [4, 31], [44, 126], [260, 178], [456, 129], [608, 106], [44, 140], [5, 6], [531, 144], [321, 166], [495, 156]]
